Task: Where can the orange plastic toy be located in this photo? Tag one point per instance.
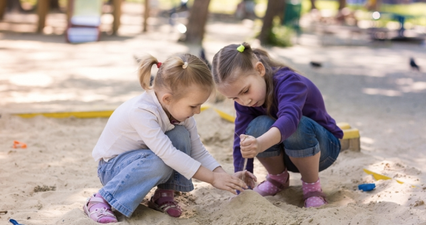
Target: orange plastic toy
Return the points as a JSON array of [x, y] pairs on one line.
[[17, 144]]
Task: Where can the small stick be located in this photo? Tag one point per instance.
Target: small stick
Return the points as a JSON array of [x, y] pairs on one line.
[[245, 159]]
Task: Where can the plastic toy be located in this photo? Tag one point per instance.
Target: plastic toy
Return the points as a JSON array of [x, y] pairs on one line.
[[17, 144], [366, 187]]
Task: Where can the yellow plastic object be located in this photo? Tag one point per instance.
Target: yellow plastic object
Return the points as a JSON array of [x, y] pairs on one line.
[[381, 177], [344, 126], [350, 133], [89, 114], [204, 107], [225, 115]]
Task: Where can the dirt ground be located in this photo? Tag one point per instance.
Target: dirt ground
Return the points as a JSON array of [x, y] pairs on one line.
[[369, 85]]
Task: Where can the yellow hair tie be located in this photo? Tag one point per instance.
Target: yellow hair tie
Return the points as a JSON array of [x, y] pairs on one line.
[[185, 64], [241, 48]]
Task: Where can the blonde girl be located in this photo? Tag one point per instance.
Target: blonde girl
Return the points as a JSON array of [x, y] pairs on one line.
[[151, 141]]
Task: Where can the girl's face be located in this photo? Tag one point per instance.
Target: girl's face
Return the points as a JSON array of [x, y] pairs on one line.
[[188, 105], [249, 89]]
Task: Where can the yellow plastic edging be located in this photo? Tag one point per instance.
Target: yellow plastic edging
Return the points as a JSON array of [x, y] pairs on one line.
[[225, 115], [88, 114], [204, 107], [350, 133], [344, 126]]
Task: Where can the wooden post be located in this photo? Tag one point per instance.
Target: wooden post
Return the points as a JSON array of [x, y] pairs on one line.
[[2, 8], [116, 14], [145, 16], [42, 10], [70, 8]]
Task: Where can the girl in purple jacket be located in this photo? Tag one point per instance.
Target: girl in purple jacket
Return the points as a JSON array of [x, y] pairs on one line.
[[281, 120]]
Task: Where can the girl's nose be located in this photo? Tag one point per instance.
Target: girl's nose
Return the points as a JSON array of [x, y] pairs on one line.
[[197, 110]]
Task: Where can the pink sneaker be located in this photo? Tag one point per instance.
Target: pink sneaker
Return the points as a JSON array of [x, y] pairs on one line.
[[273, 184], [163, 201], [312, 193], [99, 210]]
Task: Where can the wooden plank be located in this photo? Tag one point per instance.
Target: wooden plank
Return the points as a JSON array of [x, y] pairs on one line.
[[70, 8], [116, 13], [81, 114], [42, 10], [89, 114]]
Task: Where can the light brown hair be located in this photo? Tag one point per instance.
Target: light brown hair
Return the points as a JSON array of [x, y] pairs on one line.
[[173, 76], [229, 59]]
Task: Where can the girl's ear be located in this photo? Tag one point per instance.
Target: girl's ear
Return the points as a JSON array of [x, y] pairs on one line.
[[167, 98], [260, 68]]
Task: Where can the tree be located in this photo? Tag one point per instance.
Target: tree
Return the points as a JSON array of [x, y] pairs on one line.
[[14, 5], [54, 4], [313, 6], [197, 20], [342, 4], [274, 8]]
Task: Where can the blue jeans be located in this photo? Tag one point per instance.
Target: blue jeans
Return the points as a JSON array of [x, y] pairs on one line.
[[128, 177], [308, 139]]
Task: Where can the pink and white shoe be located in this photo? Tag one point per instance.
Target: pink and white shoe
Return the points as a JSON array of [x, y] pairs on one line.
[[99, 210], [312, 193], [273, 184]]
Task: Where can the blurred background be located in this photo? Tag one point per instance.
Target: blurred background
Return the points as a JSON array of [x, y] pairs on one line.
[[67, 55], [274, 22]]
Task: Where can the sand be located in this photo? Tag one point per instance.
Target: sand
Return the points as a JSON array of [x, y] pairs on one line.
[[369, 86]]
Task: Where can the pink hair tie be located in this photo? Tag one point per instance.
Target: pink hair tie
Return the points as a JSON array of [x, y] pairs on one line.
[[159, 64]]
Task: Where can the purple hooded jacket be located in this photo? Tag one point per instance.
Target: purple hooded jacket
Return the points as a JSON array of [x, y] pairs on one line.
[[295, 96]]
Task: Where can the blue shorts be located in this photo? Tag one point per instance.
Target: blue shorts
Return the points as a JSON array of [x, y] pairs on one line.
[[309, 139]]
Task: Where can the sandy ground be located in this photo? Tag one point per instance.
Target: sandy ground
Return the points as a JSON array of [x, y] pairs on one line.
[[368, 85]]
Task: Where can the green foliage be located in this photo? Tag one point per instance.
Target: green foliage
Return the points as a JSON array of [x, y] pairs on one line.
[[280, 35], [415, 10]]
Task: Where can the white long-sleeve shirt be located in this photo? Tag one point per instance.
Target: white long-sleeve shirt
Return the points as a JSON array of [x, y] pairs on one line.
[[141, 123]]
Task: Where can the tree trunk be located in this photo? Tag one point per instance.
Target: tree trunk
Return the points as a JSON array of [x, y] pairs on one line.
[[313, 6], [274, 8], [197, 20], [54, 4], [14, 5], [2, 9], [342, 4]]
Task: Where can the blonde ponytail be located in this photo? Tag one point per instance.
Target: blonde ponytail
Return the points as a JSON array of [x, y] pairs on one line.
[[144, 73]]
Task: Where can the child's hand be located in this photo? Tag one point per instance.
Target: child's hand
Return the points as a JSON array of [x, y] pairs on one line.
[[248, 178], [249, 146], [227, 182]]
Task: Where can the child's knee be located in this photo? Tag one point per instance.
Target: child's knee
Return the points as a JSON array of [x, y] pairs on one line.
[[259, 126], [305, 133], [180, 138], [160, 169]]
